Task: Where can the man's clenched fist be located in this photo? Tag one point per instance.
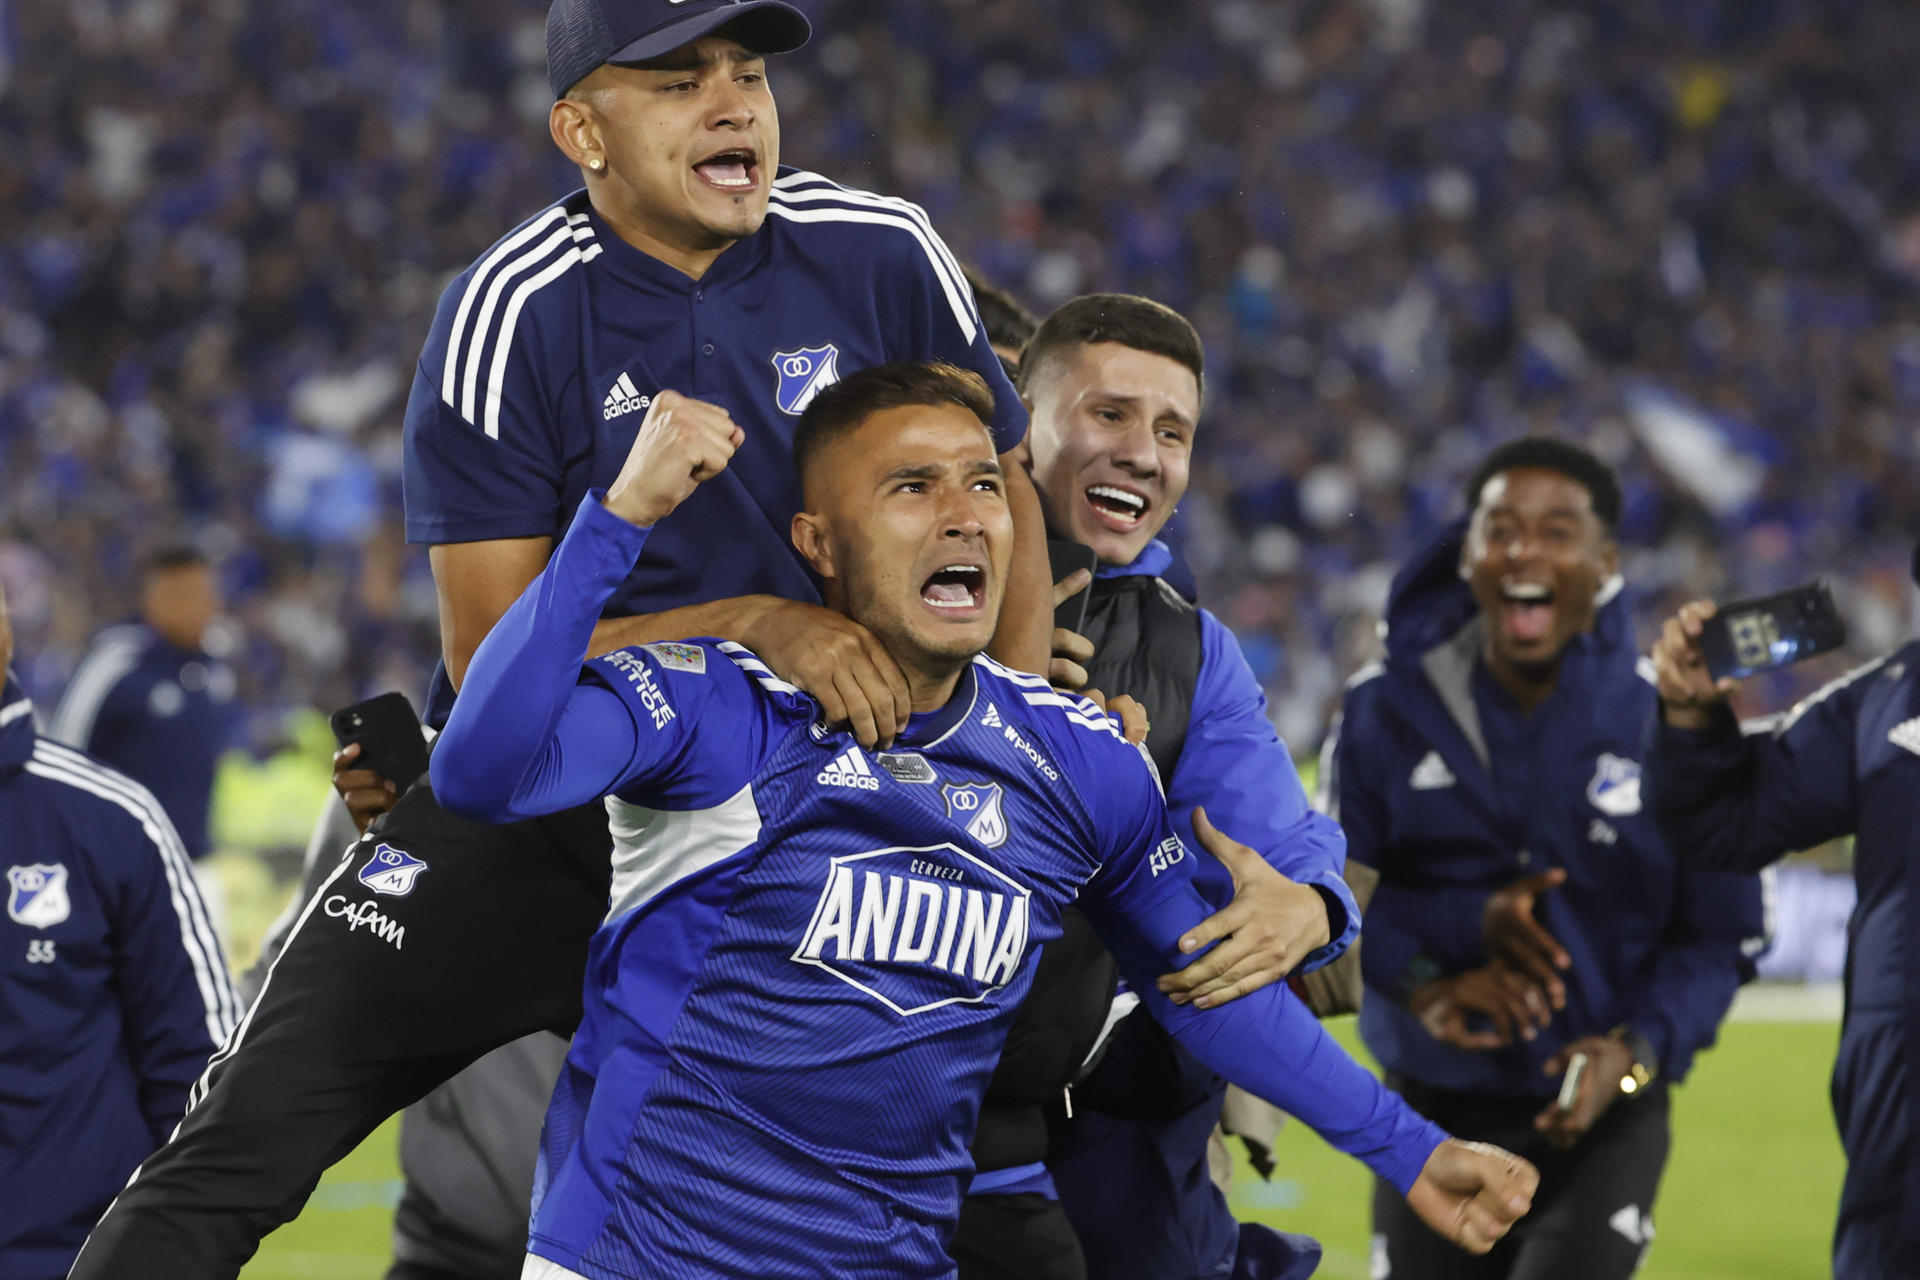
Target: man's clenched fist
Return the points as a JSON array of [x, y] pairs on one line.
[[681, 443], [1472, 1193]]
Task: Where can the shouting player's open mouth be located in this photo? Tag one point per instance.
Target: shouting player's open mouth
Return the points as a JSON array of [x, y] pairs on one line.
[[956, 590], [734, 171], [1526, 610], [1118, 507]]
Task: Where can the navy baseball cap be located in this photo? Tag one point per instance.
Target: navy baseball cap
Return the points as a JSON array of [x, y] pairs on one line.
[[584, 34]]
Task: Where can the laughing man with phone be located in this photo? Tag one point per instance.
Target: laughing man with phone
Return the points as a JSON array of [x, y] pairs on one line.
[[1844, 762]]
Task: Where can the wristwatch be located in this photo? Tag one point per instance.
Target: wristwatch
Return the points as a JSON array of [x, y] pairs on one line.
[[1645, 1065]]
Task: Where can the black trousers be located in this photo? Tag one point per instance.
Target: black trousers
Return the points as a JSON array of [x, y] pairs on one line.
[[380, 995], [1017, 1237], [421, 1271], [1592, 1218]]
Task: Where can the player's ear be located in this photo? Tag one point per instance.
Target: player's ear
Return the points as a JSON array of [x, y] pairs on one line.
[[810, 540], [576, 133]]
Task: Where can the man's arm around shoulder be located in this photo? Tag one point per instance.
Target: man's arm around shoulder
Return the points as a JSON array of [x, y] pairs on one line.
[[1235, 766]]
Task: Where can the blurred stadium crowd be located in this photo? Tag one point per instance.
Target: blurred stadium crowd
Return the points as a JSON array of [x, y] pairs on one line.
[[1406, 230]]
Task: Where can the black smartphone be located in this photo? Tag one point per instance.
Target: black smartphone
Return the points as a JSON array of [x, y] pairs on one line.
[[391, 741], [1065, 557], [1774, 631]]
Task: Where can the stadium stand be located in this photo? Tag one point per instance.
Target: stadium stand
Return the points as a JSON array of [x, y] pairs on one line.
[[1686, 231]]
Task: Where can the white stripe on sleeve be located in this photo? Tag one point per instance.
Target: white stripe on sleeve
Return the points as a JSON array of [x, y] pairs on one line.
[[503, 346], [197, 938], [790, 189], [477, 347], [958, 296], [475, 283], [113, 657]]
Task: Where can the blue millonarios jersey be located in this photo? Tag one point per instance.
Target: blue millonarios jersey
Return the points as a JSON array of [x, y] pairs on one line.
[[545, 355], [813, 951]]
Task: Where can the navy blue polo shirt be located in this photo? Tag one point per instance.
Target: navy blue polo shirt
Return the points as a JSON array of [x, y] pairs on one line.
[[545, 355]]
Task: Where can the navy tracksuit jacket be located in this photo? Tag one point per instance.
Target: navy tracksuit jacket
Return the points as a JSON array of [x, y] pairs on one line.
[[113, 991], [1450, 794], [158, 713], [1845, 762]]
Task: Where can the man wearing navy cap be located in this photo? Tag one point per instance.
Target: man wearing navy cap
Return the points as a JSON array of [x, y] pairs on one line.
[[689, 277]]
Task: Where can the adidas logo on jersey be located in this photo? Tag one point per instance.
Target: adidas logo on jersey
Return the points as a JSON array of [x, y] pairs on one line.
[[623, 399], [991, 720], [848, 769], [1906, 735], [1431, 774]]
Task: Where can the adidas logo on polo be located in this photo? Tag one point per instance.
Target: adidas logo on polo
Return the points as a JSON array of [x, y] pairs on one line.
[[1906, 735], [848, 769], [624, 398], [1431, 774]]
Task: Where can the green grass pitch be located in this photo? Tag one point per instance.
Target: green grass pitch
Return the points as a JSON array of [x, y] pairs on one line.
[[1749, 1193]]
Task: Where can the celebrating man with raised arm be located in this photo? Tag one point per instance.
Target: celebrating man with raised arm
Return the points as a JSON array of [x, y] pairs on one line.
[[689, 271], [812, 954]]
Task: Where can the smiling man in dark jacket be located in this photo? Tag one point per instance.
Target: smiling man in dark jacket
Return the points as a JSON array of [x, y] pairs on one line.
[[1527, 910], [1115, 385]]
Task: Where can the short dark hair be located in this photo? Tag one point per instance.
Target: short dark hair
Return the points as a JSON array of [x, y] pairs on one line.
[[852, 400], [1552, 454], [1008, 323], [1125, 318], [170, 556]]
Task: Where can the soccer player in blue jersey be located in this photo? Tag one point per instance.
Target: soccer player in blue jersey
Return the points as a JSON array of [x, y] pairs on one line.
[[813, 951], [689, 270]]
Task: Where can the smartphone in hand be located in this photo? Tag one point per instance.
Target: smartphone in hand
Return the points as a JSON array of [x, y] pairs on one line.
[[1774, 631], [1570, 1083], [392, 743], [1065, 557]]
